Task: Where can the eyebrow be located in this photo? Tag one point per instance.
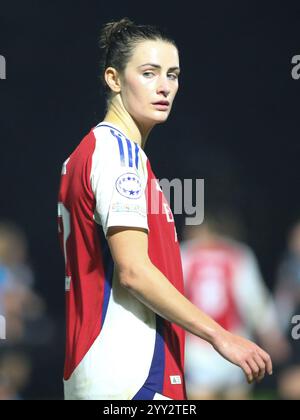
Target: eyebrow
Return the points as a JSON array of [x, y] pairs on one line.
[[157, 66]]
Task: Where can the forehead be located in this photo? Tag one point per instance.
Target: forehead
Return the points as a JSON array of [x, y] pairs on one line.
[[159, 52]]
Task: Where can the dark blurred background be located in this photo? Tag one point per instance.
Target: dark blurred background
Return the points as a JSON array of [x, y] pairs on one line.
[[235, 123]]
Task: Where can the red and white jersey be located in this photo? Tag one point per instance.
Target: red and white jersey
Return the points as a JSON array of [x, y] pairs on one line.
[[116, 348], [210, 283], [224, 281]]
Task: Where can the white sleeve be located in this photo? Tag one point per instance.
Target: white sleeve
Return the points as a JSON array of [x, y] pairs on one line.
[[119, 180], [253, 297]]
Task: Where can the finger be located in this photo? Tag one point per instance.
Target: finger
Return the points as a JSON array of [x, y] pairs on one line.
[[248, 372], [254, 367], [262, 367], [268, 361]]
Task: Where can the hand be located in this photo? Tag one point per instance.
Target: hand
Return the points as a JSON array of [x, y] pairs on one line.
[[254, 361]]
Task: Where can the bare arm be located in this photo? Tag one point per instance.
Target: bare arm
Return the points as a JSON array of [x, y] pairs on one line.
[[129, 248]]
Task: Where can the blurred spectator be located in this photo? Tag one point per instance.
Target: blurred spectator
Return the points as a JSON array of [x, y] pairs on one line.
[[27, 323], [18, 302], [222, 278], [7, 391], [15, 370], [287, 295]]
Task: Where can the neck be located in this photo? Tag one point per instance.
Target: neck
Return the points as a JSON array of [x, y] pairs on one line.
[[118, 115]]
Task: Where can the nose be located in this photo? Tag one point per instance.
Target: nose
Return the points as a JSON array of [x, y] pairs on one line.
[[163, 87]]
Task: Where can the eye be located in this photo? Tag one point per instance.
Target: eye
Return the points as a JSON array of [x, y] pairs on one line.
[[148, 74], [173, 76]]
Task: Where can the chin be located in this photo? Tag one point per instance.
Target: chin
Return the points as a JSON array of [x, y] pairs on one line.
[[154, 120], [161, 118]]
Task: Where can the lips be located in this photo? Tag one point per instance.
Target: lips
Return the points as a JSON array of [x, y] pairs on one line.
[[163, 103]]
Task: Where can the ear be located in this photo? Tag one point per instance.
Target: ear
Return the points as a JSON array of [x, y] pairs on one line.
[[112, 79]]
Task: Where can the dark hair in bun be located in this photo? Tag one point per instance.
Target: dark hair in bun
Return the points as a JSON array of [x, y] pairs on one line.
[[118, 40]]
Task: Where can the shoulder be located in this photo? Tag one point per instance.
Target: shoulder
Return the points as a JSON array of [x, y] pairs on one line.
[[112, 143]]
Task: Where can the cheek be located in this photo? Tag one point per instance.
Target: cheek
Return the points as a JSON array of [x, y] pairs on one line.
[[138, 94], [175, 90]]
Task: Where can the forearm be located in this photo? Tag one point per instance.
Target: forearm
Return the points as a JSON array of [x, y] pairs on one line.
[[152, 288]]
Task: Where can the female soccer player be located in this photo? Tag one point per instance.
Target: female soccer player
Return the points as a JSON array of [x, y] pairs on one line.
[[126, 312]]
